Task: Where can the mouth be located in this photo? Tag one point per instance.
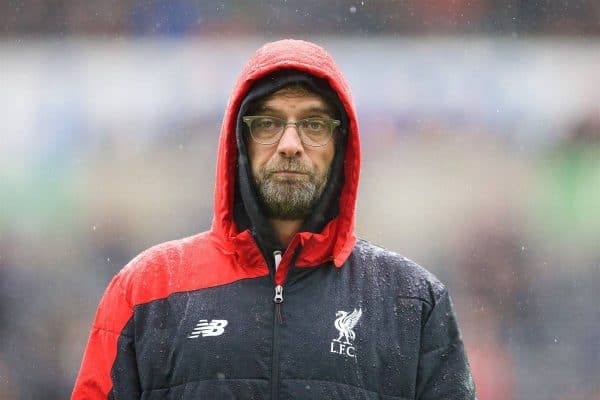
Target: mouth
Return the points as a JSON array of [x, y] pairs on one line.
[[289, 176], [288, 173]]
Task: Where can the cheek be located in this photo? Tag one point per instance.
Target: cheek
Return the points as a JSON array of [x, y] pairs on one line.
[[252, 155], [257, 157], [327, 157]]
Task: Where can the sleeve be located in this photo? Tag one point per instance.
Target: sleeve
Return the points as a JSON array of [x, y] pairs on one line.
[[109, 367], [444, 371]]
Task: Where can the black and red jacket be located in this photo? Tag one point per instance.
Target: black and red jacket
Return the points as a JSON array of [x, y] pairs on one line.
[[227, 315]]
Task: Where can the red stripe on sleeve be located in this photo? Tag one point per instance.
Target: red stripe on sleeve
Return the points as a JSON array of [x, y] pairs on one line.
[[93, 381]]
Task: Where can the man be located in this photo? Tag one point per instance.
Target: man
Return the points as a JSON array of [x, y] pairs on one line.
[[278, 300]]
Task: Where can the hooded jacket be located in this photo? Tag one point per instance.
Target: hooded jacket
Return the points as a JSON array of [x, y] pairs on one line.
[[226, 314]]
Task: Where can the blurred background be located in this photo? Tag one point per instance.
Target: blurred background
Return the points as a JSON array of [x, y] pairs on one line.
[[480, 124]]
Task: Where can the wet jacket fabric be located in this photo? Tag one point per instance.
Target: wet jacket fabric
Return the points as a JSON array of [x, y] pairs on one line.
[[218, 316]]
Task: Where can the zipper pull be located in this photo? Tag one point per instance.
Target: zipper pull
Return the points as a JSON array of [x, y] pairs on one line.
[[277, 257], [278, 294], [278, 299], [278, 288]]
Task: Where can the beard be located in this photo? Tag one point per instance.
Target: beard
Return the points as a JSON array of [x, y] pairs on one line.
[[289, 197]]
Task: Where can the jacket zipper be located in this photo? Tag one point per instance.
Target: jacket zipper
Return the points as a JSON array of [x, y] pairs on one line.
[[278, 299], [277, 323]]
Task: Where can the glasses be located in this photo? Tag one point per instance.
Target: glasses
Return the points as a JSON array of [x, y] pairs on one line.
[[315, 132]]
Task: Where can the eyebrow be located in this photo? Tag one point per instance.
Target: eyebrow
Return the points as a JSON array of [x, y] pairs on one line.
[[310, 110]]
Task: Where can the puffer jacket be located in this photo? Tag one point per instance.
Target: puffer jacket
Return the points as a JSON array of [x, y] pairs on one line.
[[214, 316]]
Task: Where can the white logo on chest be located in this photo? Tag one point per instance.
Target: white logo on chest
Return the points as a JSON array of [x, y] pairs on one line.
[[345, 324], [215, 327]]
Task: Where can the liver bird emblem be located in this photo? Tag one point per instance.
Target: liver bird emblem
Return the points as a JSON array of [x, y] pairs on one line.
[[345, 323]]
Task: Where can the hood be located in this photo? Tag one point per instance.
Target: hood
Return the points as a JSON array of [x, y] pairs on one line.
[[336, 239]]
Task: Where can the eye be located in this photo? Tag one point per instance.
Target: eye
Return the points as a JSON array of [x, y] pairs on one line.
[[266, 123], [314, 125]]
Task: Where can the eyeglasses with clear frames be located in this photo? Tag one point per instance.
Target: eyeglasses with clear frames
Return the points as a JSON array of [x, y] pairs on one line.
[[314, 132]]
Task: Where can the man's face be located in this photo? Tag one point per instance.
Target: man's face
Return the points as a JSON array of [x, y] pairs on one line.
[[290, 176]]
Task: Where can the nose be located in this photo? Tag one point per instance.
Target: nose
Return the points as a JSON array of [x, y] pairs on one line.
[[290, 144]]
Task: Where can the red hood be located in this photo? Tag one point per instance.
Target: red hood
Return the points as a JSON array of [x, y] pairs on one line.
[[337, 239]]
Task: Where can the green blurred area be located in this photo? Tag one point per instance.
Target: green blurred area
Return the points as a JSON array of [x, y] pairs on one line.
[[569, 198]]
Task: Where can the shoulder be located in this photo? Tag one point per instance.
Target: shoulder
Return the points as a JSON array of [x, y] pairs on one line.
[[162, 267], [153, 274], [163, 254], [404, 276]]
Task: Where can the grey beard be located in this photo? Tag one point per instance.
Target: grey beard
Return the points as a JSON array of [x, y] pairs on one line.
[[289, 199]]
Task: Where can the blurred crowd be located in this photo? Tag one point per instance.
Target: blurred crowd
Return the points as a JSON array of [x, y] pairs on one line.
[[275, 17]]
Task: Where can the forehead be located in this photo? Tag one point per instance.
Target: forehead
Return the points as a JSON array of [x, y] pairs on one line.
[[295, 97]]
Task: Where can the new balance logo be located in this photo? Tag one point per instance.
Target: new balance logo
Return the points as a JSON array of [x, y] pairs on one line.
[[215, 327]]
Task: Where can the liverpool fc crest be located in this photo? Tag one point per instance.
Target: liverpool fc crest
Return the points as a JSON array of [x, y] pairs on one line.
[[345, 323]]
